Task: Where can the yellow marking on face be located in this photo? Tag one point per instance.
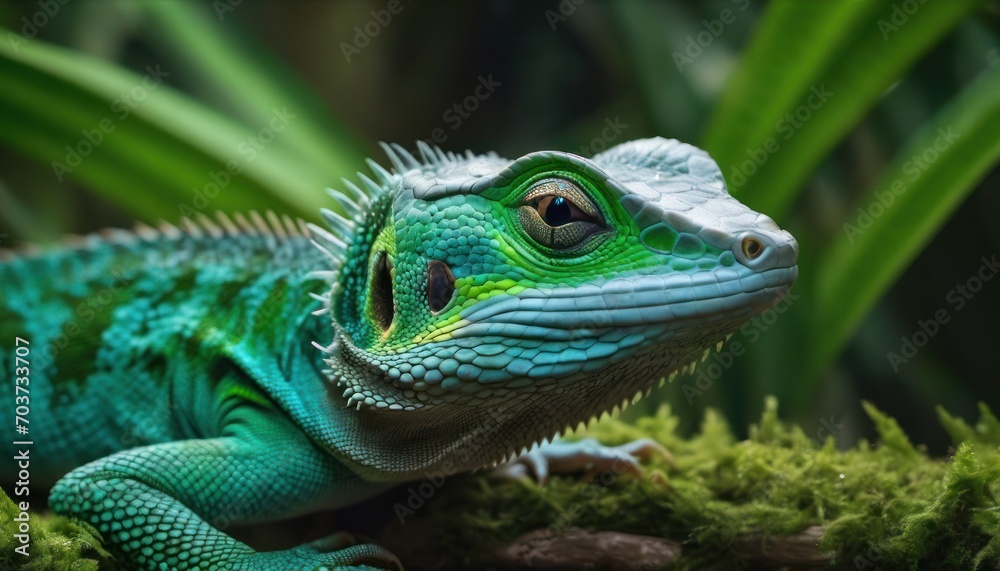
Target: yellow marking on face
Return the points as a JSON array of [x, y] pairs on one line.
[[469, 294], [441, 333]]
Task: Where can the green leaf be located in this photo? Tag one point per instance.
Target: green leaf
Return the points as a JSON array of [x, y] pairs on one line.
[[792, 42], [250, 81], [849, 51], [138, 141], [860, 264], [669, 98]]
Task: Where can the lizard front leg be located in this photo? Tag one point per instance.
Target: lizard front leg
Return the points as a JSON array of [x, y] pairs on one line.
[[588, 455], [156, 504]]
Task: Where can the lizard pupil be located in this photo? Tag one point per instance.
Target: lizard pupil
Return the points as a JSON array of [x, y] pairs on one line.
[[556, 211], [559, 215]]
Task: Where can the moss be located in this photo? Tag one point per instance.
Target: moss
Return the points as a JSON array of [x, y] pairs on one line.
[[887, 507], [57, 543]]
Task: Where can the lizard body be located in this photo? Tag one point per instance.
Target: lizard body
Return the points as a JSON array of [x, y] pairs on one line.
[[461, 309]]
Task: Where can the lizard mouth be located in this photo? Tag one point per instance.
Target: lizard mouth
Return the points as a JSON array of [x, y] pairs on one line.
[[539, 338], [678, 301]]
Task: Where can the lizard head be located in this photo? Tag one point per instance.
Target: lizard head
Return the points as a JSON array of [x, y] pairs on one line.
[[535, 294]]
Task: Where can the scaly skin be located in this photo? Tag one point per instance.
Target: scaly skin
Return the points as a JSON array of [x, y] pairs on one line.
[[463, 309]]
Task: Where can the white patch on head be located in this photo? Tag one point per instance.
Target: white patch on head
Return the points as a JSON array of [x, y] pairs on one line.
[[482, 168]]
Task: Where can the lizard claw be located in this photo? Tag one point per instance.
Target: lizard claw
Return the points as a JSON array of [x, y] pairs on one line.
[[587, 455]]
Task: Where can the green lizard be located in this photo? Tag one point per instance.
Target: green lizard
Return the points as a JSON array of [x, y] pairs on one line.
[[456, 311]]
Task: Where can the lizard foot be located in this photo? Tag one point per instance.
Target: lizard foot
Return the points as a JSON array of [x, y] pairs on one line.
[[587, 455], [332, 553]]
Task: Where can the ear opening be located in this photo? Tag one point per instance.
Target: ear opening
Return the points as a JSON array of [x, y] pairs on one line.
[[382, 302], [440, 286]]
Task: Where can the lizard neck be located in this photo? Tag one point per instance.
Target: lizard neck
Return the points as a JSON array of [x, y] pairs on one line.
[[401, 445]]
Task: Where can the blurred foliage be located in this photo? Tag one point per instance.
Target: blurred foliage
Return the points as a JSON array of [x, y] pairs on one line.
[[817, 112]]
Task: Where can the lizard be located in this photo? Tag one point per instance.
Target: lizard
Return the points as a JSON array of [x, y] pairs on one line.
[[454, 309]]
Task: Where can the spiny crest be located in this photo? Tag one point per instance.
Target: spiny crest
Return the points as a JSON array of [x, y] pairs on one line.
[[340, 226], [430, 157], [253, 224], [269, 225], [355, 200]]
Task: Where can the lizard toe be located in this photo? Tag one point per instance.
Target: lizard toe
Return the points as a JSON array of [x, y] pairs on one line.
[[587, 455]]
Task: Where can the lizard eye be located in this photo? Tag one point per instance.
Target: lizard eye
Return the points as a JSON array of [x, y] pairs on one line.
[[558, 215], [559, 211]]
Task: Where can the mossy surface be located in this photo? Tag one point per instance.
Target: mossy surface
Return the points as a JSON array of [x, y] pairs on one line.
[[884, 506], [57, 543]]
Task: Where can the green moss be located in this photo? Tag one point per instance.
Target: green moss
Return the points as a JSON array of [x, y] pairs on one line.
[[884, 507], [57, 543]]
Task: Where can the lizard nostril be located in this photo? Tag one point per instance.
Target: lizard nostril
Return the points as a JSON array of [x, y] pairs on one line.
[[757, 250], [752, 248]]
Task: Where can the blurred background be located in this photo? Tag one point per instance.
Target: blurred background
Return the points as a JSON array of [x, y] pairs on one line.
[[870, 130]]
